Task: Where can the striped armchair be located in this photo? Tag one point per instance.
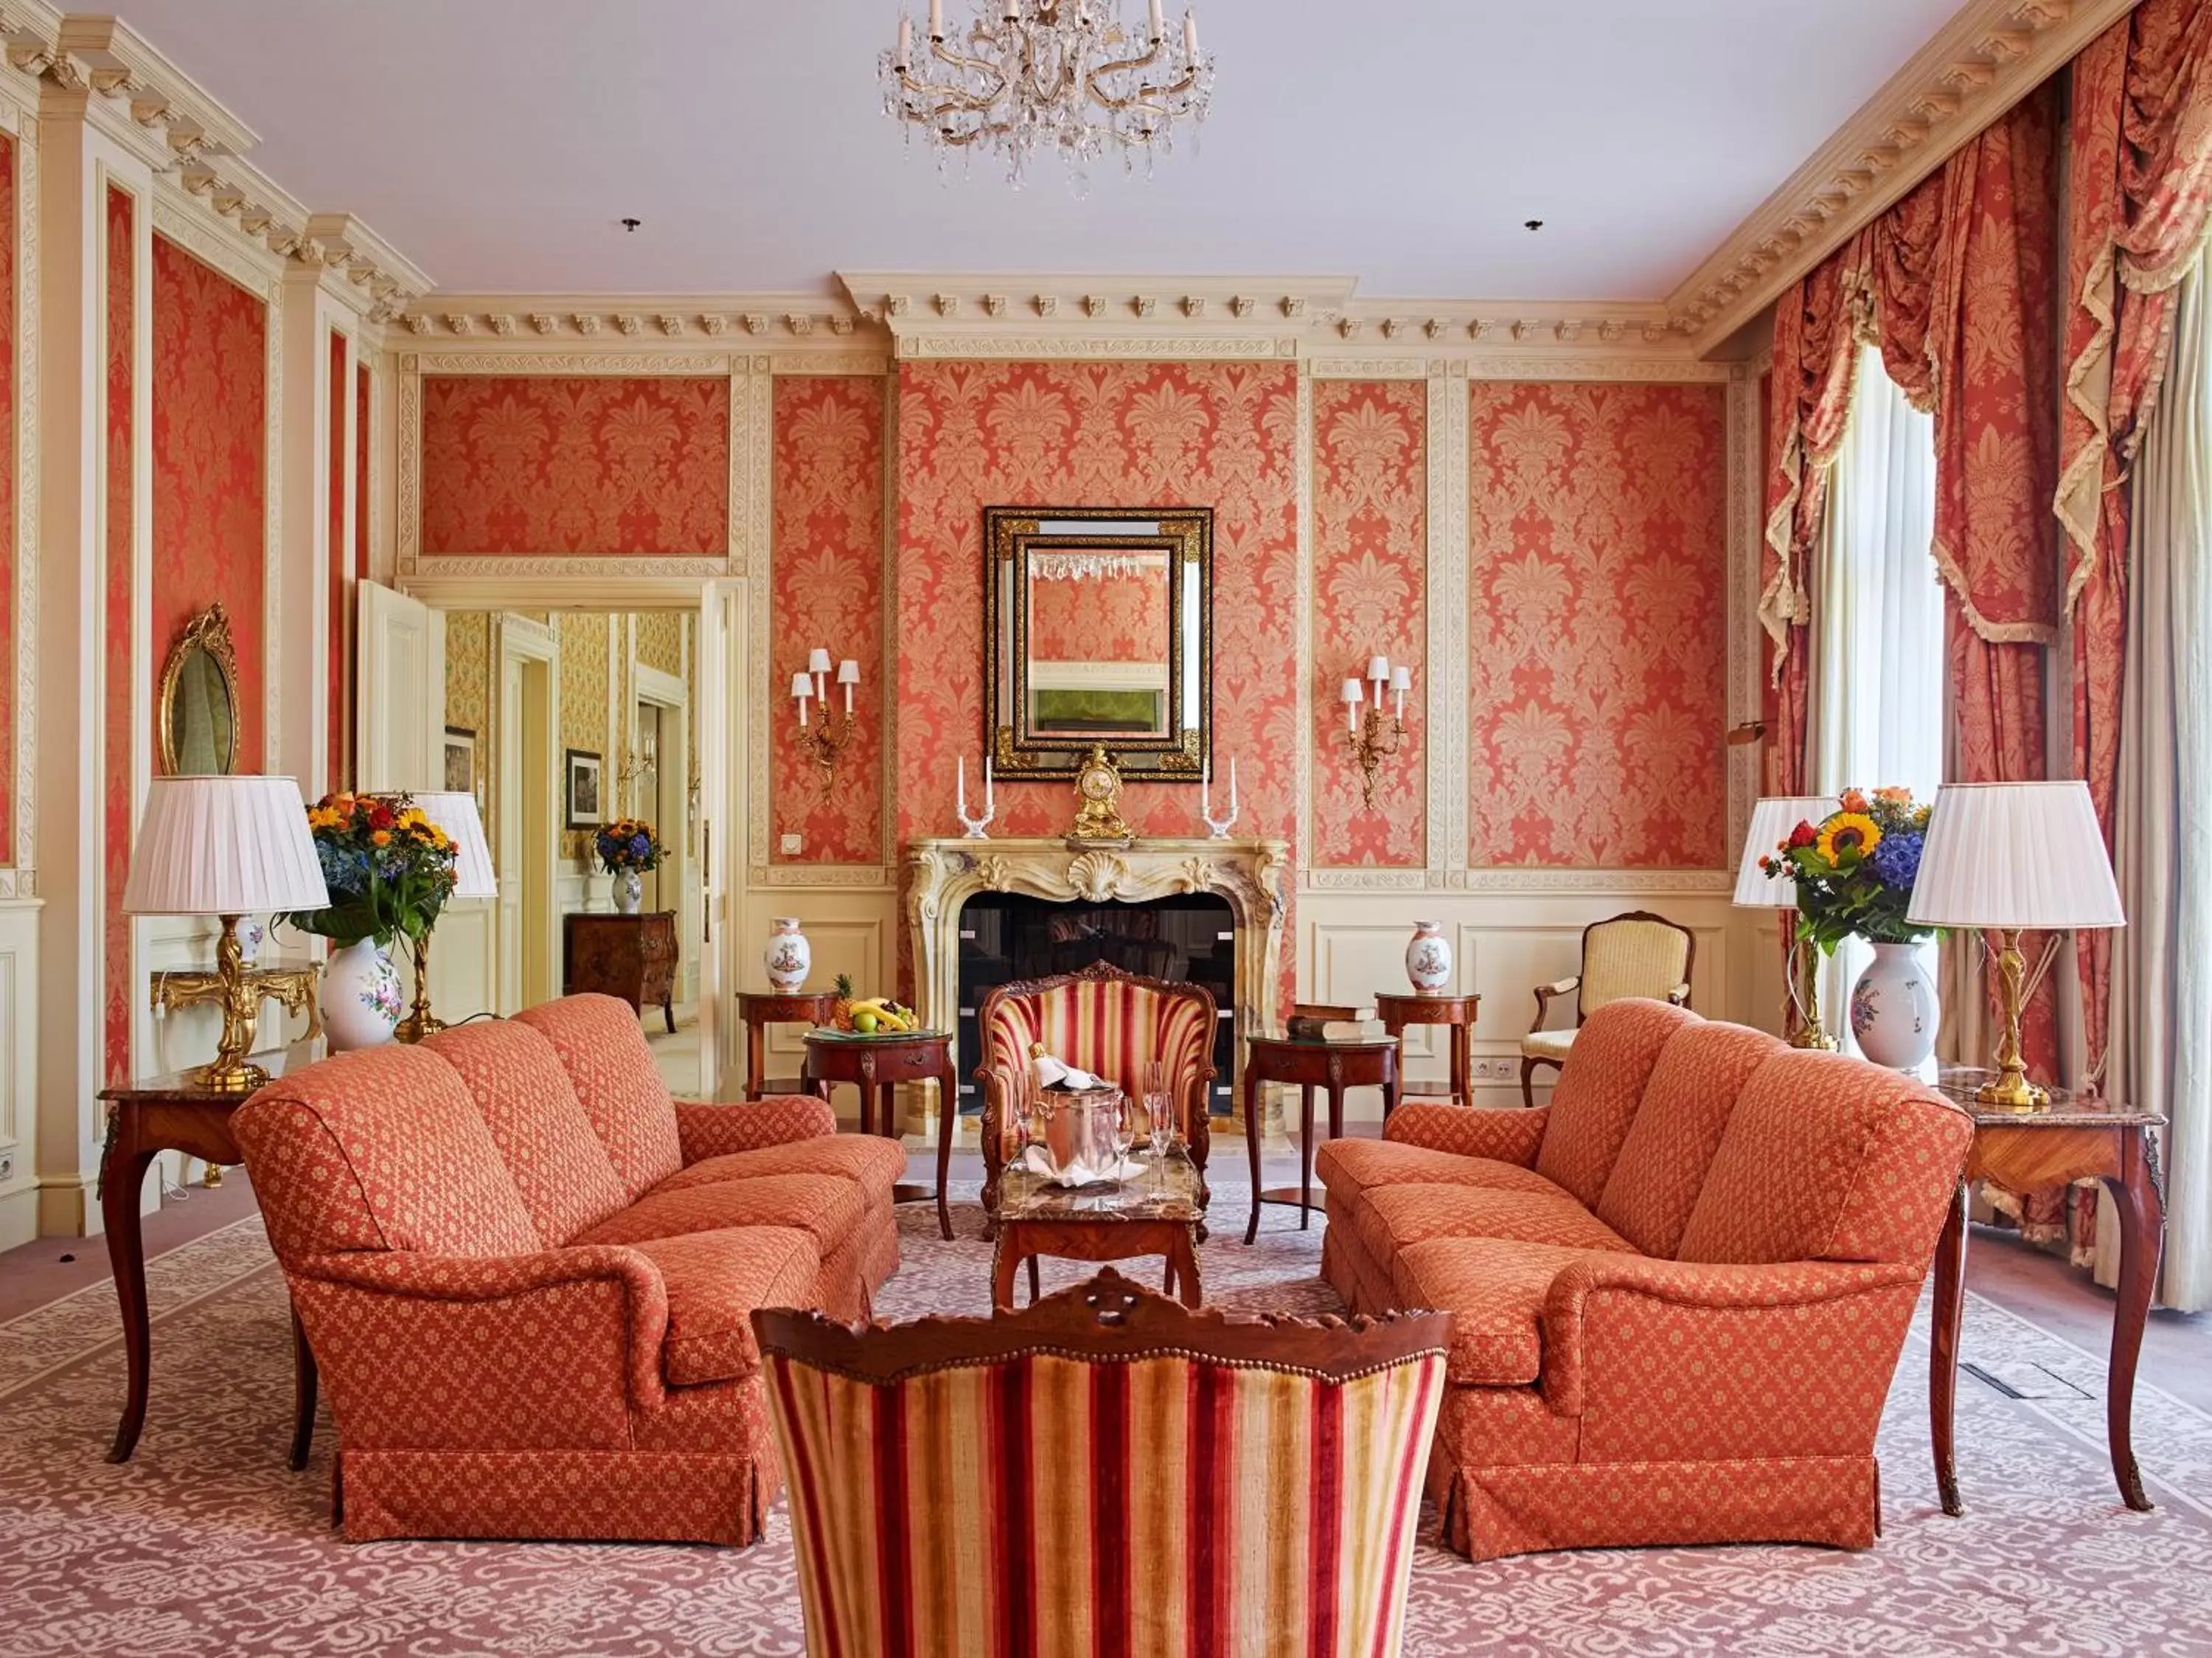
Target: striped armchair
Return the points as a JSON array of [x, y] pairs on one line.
[[1105, 1471], [1639, 955], [1103, 1020]]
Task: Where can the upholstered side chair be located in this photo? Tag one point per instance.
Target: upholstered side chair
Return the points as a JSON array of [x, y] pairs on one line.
[[1636, 955], [1162, 1480], [1103, 1020]]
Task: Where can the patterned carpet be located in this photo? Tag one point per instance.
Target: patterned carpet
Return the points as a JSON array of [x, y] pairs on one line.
[[206, 1544]]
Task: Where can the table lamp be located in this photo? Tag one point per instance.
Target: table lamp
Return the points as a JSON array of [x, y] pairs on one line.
[[1773, 818], [230, 847], [2010, 856], [456, 814]]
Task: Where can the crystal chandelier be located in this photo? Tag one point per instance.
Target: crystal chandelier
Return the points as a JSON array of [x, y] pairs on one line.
[[1063, 76]]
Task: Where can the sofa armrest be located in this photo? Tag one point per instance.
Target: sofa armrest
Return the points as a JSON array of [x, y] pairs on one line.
[[1657, 1319], [1509, 1137], [505, 1352], [713, 1128]]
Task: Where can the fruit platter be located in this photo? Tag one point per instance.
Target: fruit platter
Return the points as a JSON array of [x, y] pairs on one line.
[[872, 1015]]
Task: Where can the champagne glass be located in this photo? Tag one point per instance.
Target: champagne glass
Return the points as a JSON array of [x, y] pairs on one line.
[[1125, 1136]]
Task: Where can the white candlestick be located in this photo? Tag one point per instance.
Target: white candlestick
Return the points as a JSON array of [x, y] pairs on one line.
[[1232, 786], [1159, 28], [988, 808], [1205, 790], [960, 788], [906, 43], [1190, 32], [937, 20]]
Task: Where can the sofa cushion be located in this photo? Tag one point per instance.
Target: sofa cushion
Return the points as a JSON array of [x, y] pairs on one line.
[[1806, 1143], [715, 1280], [603, 1049], [1393, 1217], [824, 1207], [1599, 1089], [1346, 1167], [522, 1089], [1494, 1288], [1670, 1146], [396, 1156], [875, 1162]]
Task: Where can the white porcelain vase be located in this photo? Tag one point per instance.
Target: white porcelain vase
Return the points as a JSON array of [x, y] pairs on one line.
[[361, 997], [1428, 958], [629, 891], [1893, 1008], [788, 956]]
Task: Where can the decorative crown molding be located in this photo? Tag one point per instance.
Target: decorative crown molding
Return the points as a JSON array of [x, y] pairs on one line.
[[1983, 62], [791, 320]]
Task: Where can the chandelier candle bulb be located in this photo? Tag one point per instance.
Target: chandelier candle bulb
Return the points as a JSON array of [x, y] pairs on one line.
[[1402, 682], [1190, 33], [802, 687], [1160, 24], [904, 61], [937, 20], [1353, 697]]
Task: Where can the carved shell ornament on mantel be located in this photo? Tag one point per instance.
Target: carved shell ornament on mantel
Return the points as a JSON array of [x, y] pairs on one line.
[[1096, 876]]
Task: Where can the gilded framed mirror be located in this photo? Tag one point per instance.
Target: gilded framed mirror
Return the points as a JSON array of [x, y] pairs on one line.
[[1097, 630], [196, 721]]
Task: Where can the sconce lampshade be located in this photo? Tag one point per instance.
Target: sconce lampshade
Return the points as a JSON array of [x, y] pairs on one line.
[[1353, 692], [224, 846], [2015, 855], [1773, 818], [848, 671], [817, 660], [456, 814], [802, 686]]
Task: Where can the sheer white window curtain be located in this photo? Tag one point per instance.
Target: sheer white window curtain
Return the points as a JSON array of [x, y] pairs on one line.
[[1877, 717]]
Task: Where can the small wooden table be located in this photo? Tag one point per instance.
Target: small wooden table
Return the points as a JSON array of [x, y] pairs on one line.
[[2081, 1136], [632, 957], [761, 1009], [1155, 1212], [174, 1113], [1334, 1066], [875, 1065], [1399, 1010]]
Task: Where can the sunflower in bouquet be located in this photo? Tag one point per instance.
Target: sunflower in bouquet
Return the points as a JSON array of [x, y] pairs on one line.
[[1854, 869], [389, 868]]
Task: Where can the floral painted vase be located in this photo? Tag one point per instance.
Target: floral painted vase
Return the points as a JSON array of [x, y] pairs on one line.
[[1428, 958], [361, 997], [1893, 1008], [788, 955], [629, 891], [250, 932]]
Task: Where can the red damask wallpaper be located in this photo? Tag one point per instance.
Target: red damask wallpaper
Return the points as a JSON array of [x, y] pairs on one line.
[[826, 577], [1597, 625], [598, 466], [341, 568], [7, 463], [120, 819], [1370, 592], [1120, 617], [210, 450], [973, 435]]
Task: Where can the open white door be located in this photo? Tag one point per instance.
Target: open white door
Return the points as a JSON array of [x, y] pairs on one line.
[[722, 670], [399, 721]]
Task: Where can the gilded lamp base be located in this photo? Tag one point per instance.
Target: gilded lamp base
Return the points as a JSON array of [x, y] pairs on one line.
[[420, 1021], [229, 1072], [2011, 1090], [1806, 1030]]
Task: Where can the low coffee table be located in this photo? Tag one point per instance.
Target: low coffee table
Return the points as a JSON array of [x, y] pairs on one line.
[[1155, 1212]]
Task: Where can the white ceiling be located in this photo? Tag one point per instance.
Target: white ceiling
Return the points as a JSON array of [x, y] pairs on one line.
[[497, 143]]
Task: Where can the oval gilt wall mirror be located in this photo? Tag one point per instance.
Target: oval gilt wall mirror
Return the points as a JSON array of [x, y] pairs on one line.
[[198, 715]]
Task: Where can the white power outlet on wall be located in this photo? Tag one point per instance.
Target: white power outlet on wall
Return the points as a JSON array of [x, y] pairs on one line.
[[793, 846]]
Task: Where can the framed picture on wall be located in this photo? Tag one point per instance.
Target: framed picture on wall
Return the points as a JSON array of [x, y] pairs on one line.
[[460, 760], [582, 793]]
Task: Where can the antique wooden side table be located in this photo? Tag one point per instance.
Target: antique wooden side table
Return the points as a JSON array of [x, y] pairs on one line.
[[174, 1113], [1399, 1010], [1157, 1211], [875, 1065], [1332, 1066], [632, 957], [761, 1009], [2081, 1136]]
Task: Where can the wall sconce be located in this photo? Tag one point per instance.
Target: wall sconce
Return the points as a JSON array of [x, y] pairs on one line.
[[827, 741], [1368, 739]]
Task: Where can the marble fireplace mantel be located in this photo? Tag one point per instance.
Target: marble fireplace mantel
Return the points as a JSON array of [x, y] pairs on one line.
[[944, 873]]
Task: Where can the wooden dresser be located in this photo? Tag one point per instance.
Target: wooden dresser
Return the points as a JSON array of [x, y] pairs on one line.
[[632, 957]]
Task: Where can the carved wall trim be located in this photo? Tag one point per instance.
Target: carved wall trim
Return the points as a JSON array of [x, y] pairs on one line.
[[19, 878], [1587, 881], [831, 362], [1370, 367], [1744, 634], [1988, 57], [1445, 741], [570, 362], [1302, 771], [996, 345], [1597, 366], [831, 877]]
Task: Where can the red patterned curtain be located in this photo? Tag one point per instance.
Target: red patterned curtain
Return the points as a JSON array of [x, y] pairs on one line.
[[2140, 184]]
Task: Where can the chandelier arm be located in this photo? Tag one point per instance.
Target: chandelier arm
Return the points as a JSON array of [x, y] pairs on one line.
[[1121, 64], [1145, 97], [947, 99], [944, 54]]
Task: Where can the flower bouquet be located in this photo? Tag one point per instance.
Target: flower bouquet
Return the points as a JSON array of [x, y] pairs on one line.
[[389, 868], [1854, 869], [628, 845]]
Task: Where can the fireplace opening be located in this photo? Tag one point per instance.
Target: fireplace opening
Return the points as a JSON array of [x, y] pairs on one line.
[[1005, 936]]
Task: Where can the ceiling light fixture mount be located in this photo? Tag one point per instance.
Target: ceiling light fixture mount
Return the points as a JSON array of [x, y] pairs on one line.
[[1031, 76]]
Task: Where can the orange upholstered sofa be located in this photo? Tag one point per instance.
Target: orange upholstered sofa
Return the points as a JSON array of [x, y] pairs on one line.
[[528, 1275], [1677, 1292]]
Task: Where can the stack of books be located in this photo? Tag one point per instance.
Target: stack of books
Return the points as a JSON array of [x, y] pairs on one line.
[[1319, 1021]]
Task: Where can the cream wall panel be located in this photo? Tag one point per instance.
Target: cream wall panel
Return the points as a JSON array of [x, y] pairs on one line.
[[463, 960], [18, 1064]]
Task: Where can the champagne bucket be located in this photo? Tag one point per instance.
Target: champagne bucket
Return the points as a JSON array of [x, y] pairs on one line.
[[1079, 1128]]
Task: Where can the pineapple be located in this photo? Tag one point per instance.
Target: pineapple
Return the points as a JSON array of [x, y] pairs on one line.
[[841, 1010]]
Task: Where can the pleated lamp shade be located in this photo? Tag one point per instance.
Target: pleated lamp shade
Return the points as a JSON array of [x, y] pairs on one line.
[[224, 846], [1773, 818], [2009, 855], [456, 814]]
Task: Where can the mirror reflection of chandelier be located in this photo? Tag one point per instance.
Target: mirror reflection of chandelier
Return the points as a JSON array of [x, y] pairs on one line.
[[1089, 566], [1060, 76]]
